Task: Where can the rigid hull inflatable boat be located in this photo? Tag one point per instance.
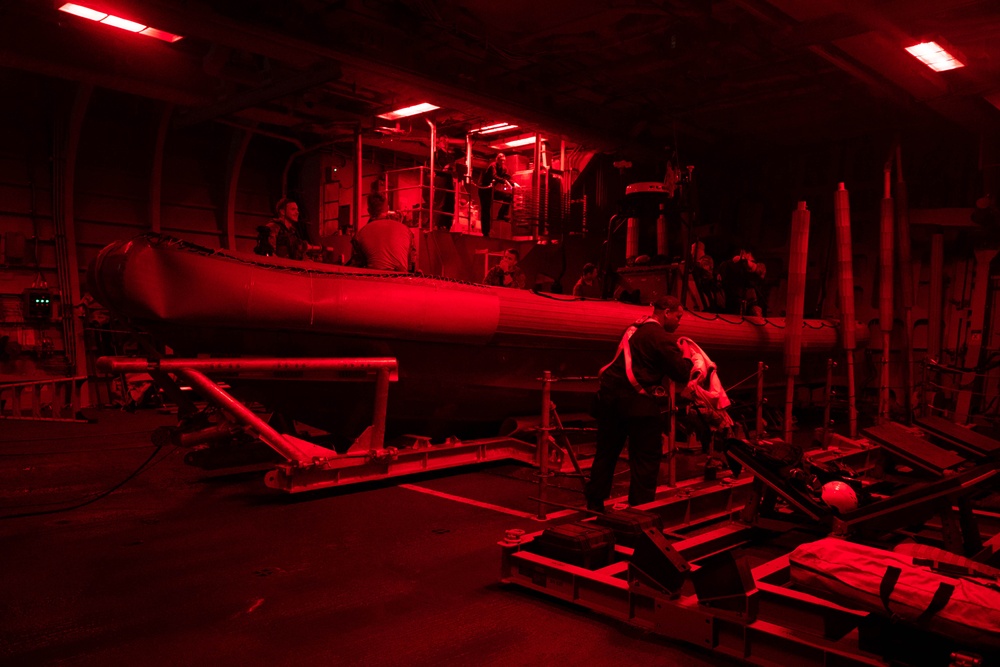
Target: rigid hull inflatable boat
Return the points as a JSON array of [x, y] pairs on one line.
[[467, 353]]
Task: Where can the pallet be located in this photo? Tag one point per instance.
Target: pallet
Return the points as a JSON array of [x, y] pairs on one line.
[[913, 448], [965, 439]]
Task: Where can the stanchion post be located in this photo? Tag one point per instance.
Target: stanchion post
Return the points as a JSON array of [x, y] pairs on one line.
[[672, 434], [830, 365], [924, 403], [381, 407], [543, 444], [759, 424]]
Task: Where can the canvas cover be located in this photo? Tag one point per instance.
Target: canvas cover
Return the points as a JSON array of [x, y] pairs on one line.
[[903, 586]]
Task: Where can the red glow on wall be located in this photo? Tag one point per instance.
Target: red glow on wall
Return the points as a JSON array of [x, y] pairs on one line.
[[118, 22]]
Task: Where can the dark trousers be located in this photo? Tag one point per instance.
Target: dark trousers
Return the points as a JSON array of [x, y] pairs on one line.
[[485, 209], [645, 450], [504, 212]]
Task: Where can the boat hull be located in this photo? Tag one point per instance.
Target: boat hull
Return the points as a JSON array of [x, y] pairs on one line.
[[468, 354]]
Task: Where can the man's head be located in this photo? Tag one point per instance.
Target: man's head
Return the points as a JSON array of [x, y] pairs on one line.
[[589, 271], [668, 310], [376, 206], [287, 210], [501, 159], [510, 259]]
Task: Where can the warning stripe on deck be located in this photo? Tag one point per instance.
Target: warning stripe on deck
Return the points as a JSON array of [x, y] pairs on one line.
[[484, 505]]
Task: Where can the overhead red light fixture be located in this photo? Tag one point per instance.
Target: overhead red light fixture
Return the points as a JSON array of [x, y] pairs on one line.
[[934, 56], [423, 107], [494, 128], [516, 143], [124, 24], [83, 12], [118, 22]]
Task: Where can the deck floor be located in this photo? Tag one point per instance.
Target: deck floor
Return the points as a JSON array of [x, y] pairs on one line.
[[180, 566]]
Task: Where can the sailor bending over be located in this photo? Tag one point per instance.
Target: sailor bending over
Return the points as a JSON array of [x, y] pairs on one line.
[[628, 405]]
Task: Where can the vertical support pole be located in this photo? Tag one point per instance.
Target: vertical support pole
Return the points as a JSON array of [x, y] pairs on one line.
[[672, 435], [358, 179], [543, 444], [830, 364], [66, 140], [156, 173], [934, 307], [795, 304], [468, 183], [845, 266], [381, 407], [924, 388], [905, 281], [759, 424], [886, 250], [235, 165], [430, 191], [632, 238], [536, 186], [661, 232], [852, 404]]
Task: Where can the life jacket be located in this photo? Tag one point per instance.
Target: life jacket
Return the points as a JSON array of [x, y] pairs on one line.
[[623, 347], [704, 374]]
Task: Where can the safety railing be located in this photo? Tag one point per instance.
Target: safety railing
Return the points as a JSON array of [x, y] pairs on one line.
[[943, 389], [411, 193], [54, 399]]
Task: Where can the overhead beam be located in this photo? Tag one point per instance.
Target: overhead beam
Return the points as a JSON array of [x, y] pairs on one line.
[[315, 76], [147, 69], [202, 23]]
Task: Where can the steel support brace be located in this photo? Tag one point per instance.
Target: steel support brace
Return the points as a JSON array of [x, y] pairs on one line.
[[384, 463], [780, 626]]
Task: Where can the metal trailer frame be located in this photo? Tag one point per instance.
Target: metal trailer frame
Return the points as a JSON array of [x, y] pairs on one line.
[[772, 624], [307, 466], [777, 626]]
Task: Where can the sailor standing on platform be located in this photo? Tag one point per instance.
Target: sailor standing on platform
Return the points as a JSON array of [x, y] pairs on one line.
[[629, 400], [496, 176]]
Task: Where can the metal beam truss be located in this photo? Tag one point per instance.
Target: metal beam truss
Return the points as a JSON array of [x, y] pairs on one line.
[[771, 624], [308, 466]]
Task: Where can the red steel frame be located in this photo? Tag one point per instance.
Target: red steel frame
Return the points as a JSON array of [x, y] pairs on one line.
[[308, 466]]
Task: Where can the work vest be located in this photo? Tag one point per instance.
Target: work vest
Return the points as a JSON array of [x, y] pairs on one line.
[[624, 347]]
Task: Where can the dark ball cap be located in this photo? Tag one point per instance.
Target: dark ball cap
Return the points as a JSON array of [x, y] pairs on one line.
[[667, 303]]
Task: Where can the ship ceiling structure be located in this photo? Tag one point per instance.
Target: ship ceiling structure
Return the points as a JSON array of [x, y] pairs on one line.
[[608, 75]]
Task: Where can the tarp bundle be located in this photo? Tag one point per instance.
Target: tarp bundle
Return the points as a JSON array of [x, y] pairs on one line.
[[906, 587]]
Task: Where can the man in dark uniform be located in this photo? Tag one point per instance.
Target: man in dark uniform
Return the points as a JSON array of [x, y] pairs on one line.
[[283, 236], [629, 398], [494, 174]]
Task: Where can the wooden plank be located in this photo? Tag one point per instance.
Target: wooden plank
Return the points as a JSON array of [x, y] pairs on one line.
[[959, 435], [913, 448]]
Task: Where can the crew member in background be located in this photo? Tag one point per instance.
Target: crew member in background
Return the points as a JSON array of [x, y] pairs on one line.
[[631, 392], [283, 236], [384, 243], [496, 174], [587, 286], [507, 273], [445, 177], [742, 280]]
